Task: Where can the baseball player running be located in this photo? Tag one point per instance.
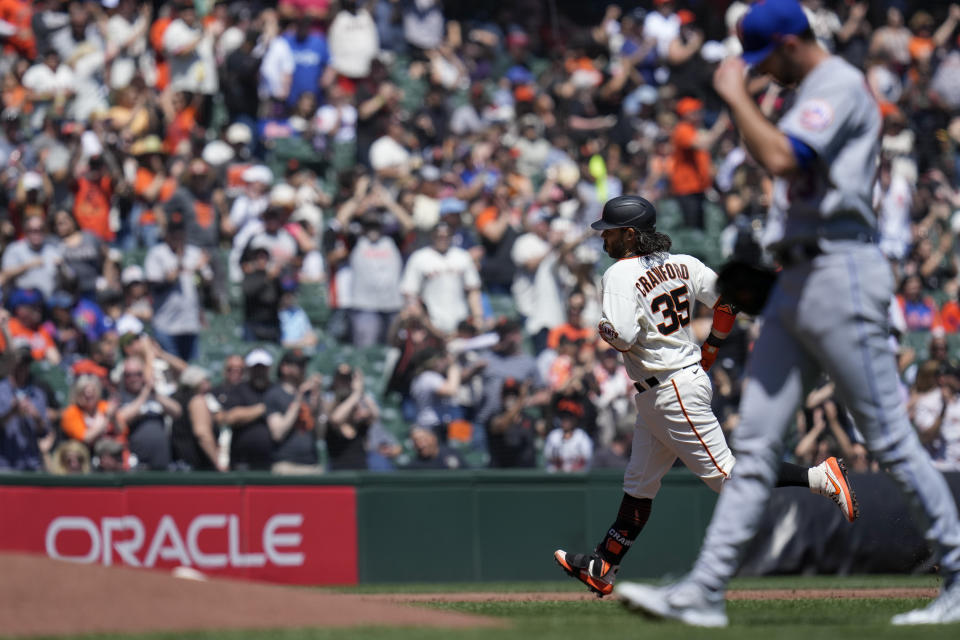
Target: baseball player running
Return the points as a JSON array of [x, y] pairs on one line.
[[827, 310], [648, 297]]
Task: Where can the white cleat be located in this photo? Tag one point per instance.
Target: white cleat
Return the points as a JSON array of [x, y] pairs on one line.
[[684, 602], [829, 478], [944, 610]]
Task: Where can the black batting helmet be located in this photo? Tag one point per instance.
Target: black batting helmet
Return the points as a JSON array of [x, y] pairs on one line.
[[627, 211]]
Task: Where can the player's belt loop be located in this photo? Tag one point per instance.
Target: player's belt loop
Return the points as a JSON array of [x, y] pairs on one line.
[[651, 382]]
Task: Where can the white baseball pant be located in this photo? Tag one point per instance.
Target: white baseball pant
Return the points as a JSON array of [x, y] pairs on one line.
[[675, 420]]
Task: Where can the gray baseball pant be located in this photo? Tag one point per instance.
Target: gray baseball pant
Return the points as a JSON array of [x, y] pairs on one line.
[[830, 314]]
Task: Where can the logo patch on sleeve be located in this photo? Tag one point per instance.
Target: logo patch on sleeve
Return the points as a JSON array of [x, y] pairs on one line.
[[816, 115], [607, 332]]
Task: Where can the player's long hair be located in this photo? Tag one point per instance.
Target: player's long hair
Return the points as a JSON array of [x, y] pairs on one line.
[[649, 242]]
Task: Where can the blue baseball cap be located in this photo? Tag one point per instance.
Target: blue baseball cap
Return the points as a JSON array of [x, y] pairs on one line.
[[27, 297], [763, 26]]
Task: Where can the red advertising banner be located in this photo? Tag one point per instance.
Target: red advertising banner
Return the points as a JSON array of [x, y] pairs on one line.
[[293, 535]]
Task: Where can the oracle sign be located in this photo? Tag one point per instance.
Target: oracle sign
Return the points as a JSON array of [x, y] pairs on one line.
[[275, 533], [169, 543]]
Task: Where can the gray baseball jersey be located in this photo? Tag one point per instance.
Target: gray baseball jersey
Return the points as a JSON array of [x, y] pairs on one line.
[[835, 115], [827, 313]]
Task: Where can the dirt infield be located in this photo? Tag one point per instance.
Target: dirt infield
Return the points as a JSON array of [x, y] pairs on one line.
[[39, 596], [741, 594]]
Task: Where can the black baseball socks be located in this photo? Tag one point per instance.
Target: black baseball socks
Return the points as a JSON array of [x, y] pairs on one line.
[[631, 518]]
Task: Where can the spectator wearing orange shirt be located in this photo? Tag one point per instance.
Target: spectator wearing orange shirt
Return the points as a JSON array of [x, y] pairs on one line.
[[562, 368], [573, 328], [19, 14], [950, 311], [27, 305], [152, 186], [91, 205], [691, 169], [157, 31], [181, 113], [89, 417], [925, 40]]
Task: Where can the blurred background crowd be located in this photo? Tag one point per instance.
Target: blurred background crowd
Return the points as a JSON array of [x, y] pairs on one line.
[[354, 234]]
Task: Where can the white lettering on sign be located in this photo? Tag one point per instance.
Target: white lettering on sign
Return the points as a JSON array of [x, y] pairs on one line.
[[172, 550], [73, 524], [280, 539], [238, 559], [272, 539], [205, 560], [126, 549]]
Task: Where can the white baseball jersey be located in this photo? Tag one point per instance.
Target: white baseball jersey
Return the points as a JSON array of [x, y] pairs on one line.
[[441, 281], [567, 454], [648, 303]]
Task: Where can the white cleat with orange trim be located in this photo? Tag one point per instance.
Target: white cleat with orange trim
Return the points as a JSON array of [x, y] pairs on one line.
[[829, 478]]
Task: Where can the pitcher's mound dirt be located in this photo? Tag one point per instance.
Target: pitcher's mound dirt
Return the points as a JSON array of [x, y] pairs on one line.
[[39, 596]]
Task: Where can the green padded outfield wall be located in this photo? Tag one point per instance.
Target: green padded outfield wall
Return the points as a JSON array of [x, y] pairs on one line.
[[453, 526], [384, 527], [466, 526]]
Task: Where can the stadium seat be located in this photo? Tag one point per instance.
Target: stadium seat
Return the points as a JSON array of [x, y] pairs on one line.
[[313, 300], [939, 297], [953, 345], [669, 217], [55, 378], [502, 305], [286, 149], [133, 256], [919, 341], [714, 218]]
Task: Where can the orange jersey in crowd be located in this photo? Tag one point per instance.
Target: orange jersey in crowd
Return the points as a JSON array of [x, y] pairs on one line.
[[157, 29], [142, 182], [572, 333], [19, 13], [73, 422], [39, 340], [921, 48], [691, 170], [950, 316], [235, 182], [92, 207], [180, 129]]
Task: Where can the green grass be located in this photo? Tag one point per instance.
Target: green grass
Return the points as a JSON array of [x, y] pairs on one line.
[[772, 582], [845, 619]]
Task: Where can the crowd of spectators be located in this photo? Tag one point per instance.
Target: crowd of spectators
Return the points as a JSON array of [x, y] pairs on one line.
[[426, 172]]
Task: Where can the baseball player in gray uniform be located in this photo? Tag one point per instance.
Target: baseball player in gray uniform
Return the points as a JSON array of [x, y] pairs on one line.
[[827, 310], [648, 298]]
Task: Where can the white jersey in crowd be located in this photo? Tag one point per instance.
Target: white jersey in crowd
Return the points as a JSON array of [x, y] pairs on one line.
[[566, 454], [648, 302], [945, 449], [441, 281]]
